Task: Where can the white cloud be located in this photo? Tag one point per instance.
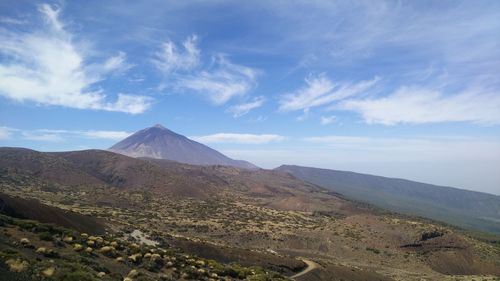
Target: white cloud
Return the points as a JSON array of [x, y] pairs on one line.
[[5, 133], [239, 138], [117, 64], [221, 82], [52, 16], [321, 91], [42, 136], [47, 67], [325, 120], [52, 135], [7, 20], [258, 119], [419, 105], [171, 59], [242, 109], [109, 135]]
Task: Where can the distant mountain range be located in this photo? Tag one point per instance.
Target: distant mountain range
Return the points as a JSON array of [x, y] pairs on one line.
[[456, 206], [161, 143]]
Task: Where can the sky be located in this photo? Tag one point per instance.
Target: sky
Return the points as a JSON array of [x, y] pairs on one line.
[[407, 89]]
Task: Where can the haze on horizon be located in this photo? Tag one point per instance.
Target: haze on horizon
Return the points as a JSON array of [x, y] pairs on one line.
[[405, 89]]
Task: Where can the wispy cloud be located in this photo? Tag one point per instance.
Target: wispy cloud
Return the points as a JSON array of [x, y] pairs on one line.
[[109, 135], [42, 136], [117, 64], [244, 108], [219, 81], [7, 20], [325, 120], [5, 133], [320, 91], [420, 105], [239, 138], [170, 58], [54, 135], [47, 67]]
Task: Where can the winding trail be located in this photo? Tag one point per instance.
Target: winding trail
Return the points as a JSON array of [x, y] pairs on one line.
[[310, 266]]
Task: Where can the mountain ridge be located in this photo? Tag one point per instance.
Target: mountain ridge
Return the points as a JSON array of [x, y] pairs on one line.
[[159, 142], [470, 209]]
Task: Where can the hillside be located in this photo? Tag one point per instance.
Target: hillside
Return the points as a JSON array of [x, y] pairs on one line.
[[34, 210], [470, 209], [255, 218]]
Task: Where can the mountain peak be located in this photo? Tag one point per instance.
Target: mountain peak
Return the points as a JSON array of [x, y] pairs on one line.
[[161, 143], [159, 126]]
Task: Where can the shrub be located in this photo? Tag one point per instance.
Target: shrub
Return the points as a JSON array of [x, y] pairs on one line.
[[75, 276], [45, 236], [376, 251]]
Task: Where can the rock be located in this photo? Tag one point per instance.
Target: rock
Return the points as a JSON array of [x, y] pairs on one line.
[[89, 250], [101, 274]]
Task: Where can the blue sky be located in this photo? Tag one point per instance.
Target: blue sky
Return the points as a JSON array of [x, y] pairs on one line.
[[405, 89]]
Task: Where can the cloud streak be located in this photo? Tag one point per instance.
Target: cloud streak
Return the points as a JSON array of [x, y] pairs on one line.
[[5, 133], [244, 108], [52, 135], [320, 91], [170, 58], [219, 81], [416, 105], [239, 138], [325, 120], [46, 67]]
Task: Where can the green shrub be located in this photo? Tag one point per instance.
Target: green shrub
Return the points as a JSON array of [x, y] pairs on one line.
[[45, 236], [75, 276], [376, 251]]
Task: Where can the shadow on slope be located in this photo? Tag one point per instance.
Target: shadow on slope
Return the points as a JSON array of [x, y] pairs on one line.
[[34, 210]]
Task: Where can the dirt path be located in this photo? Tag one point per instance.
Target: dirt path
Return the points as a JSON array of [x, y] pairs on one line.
[[310, 266]]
